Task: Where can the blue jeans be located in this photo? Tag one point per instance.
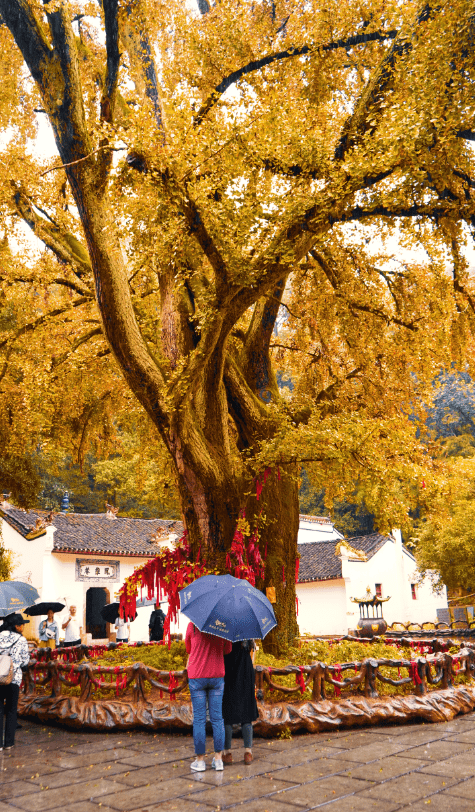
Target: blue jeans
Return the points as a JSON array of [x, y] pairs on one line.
[[246, 735], [210, 688]]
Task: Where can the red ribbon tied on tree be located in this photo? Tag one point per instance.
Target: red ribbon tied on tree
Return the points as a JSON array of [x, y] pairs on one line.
[[300, 679]]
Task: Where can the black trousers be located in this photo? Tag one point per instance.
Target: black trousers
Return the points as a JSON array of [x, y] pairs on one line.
[[8, 709]]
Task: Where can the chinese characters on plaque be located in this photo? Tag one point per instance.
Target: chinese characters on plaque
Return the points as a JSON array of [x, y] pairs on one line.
[[97, 570]]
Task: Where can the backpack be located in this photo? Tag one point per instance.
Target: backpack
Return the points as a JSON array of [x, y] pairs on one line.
[[157, 623], [6, 665]]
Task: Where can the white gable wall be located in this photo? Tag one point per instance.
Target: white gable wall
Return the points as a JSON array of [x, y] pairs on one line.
[[313, 528], [325, 607], [322, 607], [29, 562]]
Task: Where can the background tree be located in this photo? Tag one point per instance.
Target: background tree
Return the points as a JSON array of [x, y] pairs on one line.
[[192, 203], [7, 561]]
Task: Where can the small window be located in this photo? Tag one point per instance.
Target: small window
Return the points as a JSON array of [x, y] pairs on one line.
[[378, 588], [414, 591]]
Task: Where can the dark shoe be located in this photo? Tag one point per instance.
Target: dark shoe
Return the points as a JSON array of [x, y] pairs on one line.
[[247, 758], [19, 727], [9, 748], [227, 758]]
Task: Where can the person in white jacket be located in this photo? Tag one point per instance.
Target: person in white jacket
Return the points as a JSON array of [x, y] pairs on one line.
[[14, 644]]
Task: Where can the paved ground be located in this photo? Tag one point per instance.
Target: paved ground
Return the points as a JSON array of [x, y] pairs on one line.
[[416, 767]]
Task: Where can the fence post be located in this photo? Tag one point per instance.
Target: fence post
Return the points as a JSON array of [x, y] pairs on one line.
[[86, 683], [318, 685], [259, 678], [55, 681], [139, 685], [420, 676], [447, 681], [371, 667]]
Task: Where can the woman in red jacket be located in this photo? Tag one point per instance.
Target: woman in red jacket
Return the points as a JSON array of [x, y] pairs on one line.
[[206, 679]]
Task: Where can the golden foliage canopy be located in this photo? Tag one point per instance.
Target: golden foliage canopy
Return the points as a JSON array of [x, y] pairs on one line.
[[221, 171]]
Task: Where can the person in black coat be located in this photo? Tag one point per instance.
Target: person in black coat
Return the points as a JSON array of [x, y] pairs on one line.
[[239, 698], [156, 624]]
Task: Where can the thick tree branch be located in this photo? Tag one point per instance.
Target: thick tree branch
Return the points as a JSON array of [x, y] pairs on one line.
[[135, 35], [64, 93], [111, 23], [249, 413], [356, 124], [18, 16], [289, 53], [468, 135], [66, 247], [258, 367], [197, 229]]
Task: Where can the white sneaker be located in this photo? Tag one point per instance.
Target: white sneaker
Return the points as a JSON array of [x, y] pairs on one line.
[[217, 765], [198, 766]]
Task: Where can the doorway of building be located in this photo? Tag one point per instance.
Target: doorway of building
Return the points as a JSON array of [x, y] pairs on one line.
[[96, 599]]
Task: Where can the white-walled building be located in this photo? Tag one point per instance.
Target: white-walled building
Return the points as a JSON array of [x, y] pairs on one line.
[[332, 571], [82, 560]]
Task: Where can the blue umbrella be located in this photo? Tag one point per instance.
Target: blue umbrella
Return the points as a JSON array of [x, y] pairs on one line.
[[15, 596], [227, 607]]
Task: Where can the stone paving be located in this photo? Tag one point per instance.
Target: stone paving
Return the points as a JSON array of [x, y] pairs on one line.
[[408, 767]]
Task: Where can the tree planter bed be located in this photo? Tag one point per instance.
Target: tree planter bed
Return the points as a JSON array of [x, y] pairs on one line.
[[139, 695], [436, 706]]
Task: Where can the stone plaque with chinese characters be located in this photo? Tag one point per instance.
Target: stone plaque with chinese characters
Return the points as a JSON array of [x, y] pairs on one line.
[[95, 569]]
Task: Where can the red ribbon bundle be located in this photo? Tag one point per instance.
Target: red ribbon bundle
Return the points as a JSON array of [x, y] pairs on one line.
[[337, 675], [260, 485], [414, 673], [300, 679], [120, 682], [165, 574]]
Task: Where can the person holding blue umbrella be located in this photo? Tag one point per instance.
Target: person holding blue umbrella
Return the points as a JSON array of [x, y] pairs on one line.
[[205, 669], [226, 608]]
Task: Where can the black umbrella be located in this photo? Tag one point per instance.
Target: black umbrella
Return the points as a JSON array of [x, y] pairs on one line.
[[110, 612], [43, 608], [14, 596]]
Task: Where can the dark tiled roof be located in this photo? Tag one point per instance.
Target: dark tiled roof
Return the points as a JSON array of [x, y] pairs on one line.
[[318, 561], [94, 532], [319, 519]]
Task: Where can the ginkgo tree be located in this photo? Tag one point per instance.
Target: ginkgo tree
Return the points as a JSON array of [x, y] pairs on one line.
[[209, 220]]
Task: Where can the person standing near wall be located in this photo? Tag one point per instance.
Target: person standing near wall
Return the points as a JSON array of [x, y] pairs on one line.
[[122, 630], [72, 634], [49, 632], [14, 644]]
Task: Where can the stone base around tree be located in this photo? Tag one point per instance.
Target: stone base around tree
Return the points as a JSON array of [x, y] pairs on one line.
[[434, 706]]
